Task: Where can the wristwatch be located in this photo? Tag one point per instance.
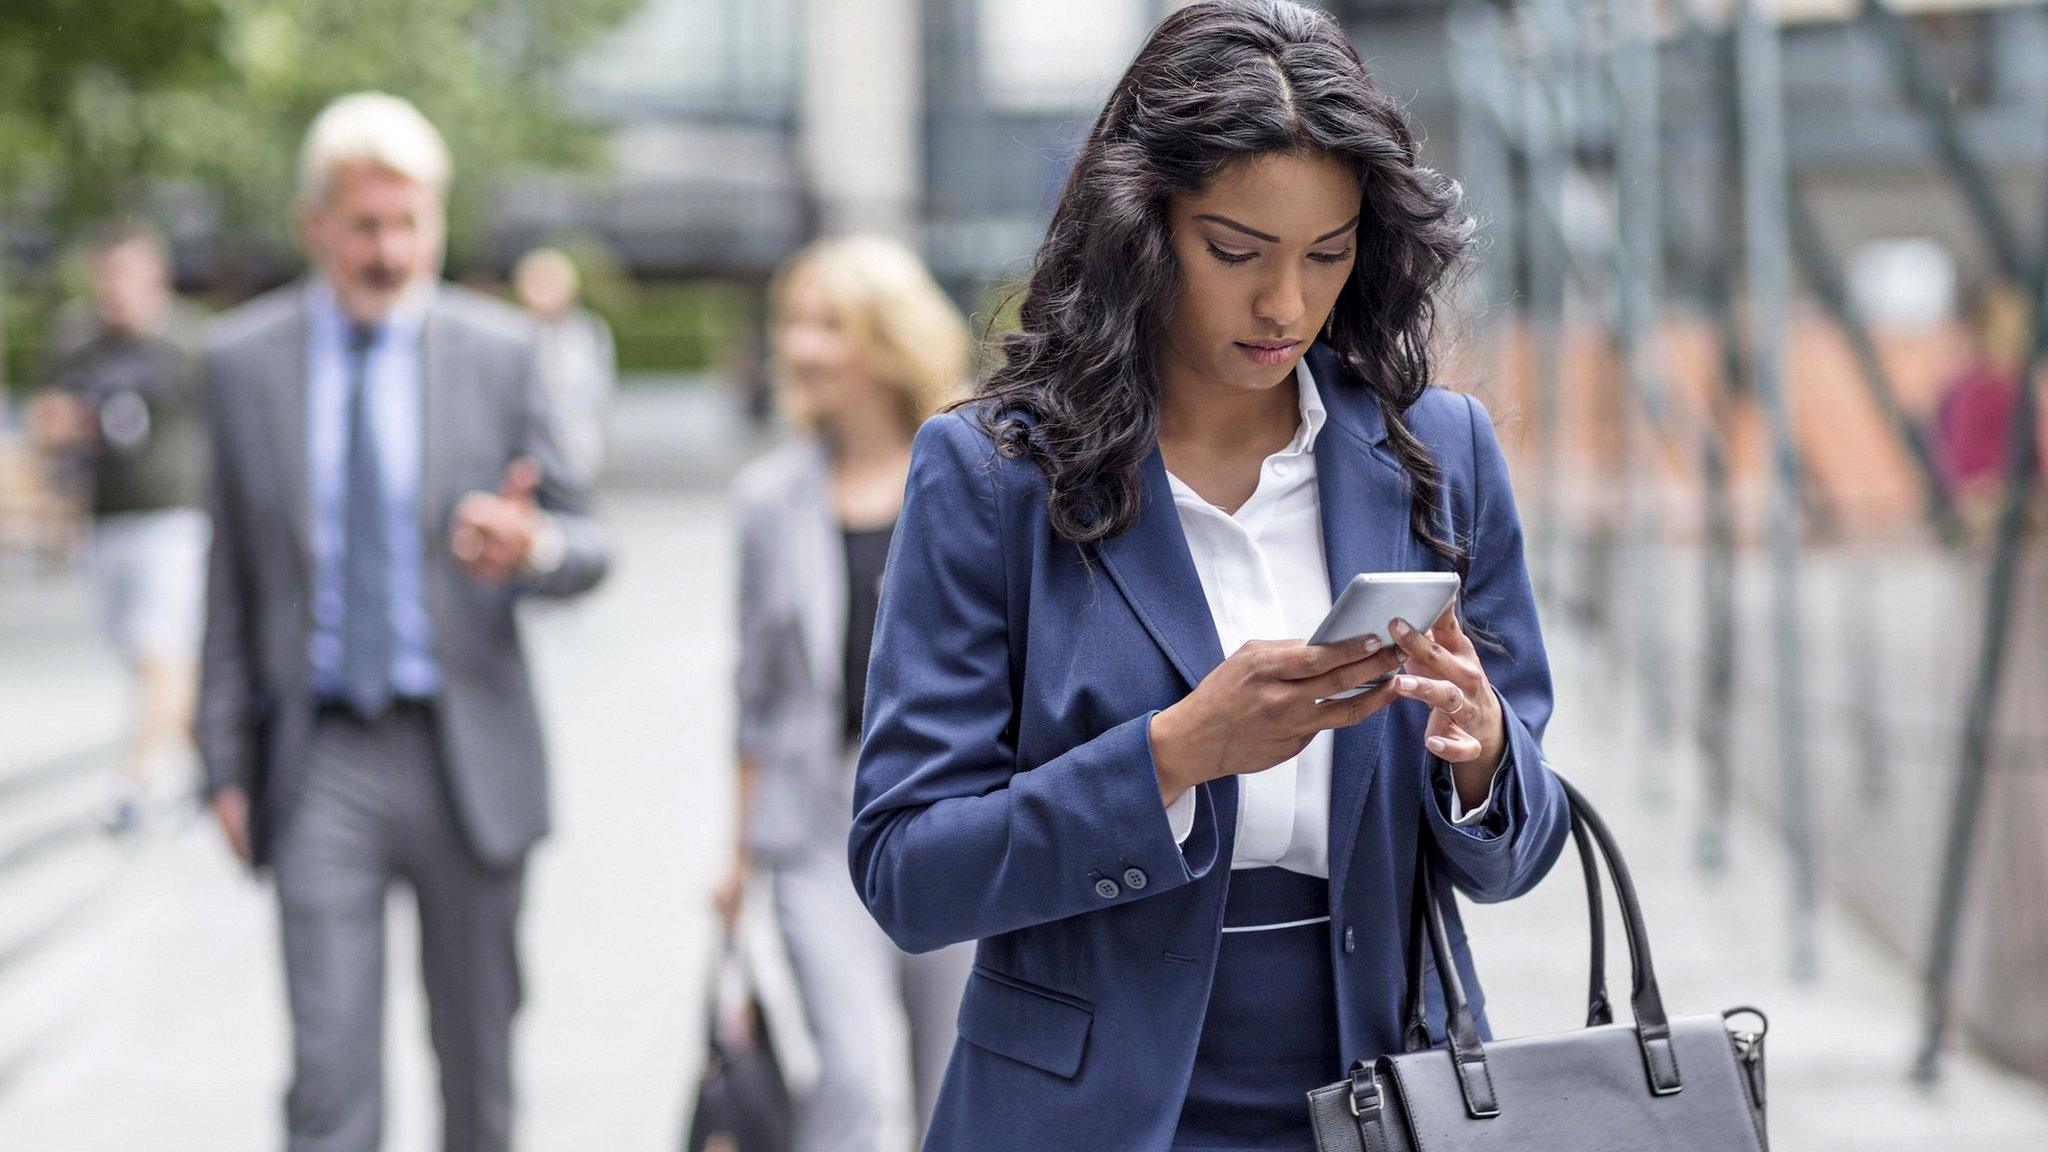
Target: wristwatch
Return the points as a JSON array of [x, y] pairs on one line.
[[550, 547]]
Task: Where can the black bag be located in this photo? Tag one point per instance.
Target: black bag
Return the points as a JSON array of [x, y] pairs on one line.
[[1658, 1085], [743, 1104]]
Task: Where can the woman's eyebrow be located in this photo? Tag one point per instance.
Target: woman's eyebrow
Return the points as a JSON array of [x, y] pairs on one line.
[[1227, 222], [1341, 229]]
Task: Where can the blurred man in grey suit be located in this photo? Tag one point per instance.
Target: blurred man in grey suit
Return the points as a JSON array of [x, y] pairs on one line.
[[385, 490]]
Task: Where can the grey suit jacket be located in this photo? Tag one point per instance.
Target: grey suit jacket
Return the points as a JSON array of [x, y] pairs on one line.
[[482, 406], [792, 600]]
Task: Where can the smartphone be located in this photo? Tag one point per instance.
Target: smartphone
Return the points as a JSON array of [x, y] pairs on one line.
[[1372, 599]]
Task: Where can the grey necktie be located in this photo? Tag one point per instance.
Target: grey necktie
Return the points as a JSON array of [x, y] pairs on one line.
[[366, 639]]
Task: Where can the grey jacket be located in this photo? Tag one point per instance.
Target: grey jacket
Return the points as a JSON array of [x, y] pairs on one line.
[[482, 407], [792, 608]]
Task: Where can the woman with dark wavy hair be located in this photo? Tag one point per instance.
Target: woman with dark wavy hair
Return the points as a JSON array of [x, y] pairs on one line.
[[1190, 874]]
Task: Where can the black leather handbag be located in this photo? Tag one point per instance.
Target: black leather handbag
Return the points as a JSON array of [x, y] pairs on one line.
[[1657, 1085], [743, 1103]]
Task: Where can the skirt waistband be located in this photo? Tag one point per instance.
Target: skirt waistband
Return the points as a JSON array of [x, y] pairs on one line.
[[1269, 898]]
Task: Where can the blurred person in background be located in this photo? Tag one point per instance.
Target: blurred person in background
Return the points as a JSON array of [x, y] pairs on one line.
[[866, 346], [124, 404], [385, 490], [578, 362], [1973, 419]]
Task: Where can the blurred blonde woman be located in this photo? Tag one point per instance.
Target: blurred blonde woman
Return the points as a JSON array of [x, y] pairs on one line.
[[866, 346]]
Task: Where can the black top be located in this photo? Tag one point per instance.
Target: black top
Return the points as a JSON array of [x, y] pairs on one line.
[[144, 392], [866, 551]]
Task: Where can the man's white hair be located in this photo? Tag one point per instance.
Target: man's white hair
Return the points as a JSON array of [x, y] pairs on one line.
[[372, 128]]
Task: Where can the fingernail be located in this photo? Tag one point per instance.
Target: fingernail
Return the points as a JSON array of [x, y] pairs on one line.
[[1372, 645], [1401, 627], [1436, 743], [1407, 683]]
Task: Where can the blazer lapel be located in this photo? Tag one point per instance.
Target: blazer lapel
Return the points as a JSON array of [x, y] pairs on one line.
[[1364, 500], [440, 382], [290, 380], [819, 573], [1152, 567]]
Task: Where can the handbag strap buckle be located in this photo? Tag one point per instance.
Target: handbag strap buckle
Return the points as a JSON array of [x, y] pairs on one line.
[[1365, 1091]]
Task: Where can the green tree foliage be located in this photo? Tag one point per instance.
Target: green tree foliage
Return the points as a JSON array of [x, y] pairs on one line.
[[61, 59], [101, 99]]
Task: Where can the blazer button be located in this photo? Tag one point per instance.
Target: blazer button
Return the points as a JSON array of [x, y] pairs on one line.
[[1350, 941], [1134, 879], [1107, 889]]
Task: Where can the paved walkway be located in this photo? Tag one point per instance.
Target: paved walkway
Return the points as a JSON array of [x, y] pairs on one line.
[[154, 1020], [1838, 1049]]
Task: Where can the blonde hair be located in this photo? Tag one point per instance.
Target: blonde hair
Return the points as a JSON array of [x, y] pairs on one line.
[[906, 330], [372, 128]]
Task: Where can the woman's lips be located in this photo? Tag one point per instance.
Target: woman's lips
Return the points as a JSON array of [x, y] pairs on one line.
[[1267, 353]]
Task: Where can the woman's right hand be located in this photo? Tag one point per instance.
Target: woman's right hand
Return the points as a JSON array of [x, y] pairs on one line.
[[1258, 708]]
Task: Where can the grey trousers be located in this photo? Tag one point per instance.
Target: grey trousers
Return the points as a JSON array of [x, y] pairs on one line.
[[884, 1020], [375, 813]]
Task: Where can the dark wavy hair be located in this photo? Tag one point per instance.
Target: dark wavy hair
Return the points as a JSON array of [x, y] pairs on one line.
[[1216, 82]]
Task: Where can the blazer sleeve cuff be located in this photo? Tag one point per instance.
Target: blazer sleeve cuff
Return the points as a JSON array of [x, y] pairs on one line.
[[1188, 825], [1526, 821], [1476, 816], [1097, 808]]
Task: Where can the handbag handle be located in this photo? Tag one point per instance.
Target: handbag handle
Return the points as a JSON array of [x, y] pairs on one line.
[[1599, 1009], [1652, 1027], [1646, 1002]]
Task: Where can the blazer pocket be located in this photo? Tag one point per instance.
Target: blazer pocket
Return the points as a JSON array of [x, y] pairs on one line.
[[1025, 1022]]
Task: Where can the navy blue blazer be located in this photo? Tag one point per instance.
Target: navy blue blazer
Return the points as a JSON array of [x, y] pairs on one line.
[[1006, 792]]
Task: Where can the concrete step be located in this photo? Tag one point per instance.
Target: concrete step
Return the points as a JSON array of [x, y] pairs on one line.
[[45, 808], [48, 899], [43, 893]]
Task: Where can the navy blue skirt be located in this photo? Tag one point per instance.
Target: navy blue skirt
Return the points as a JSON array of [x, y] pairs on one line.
[[1270, 1034]]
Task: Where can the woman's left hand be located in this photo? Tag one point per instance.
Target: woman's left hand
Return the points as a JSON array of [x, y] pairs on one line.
[[1465, 730]]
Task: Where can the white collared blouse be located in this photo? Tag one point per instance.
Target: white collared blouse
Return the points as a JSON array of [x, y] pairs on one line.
[[1264, 576]]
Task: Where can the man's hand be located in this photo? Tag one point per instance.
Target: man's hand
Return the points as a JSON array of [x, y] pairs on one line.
[[494, 532], [60, 421], [231, 810]]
